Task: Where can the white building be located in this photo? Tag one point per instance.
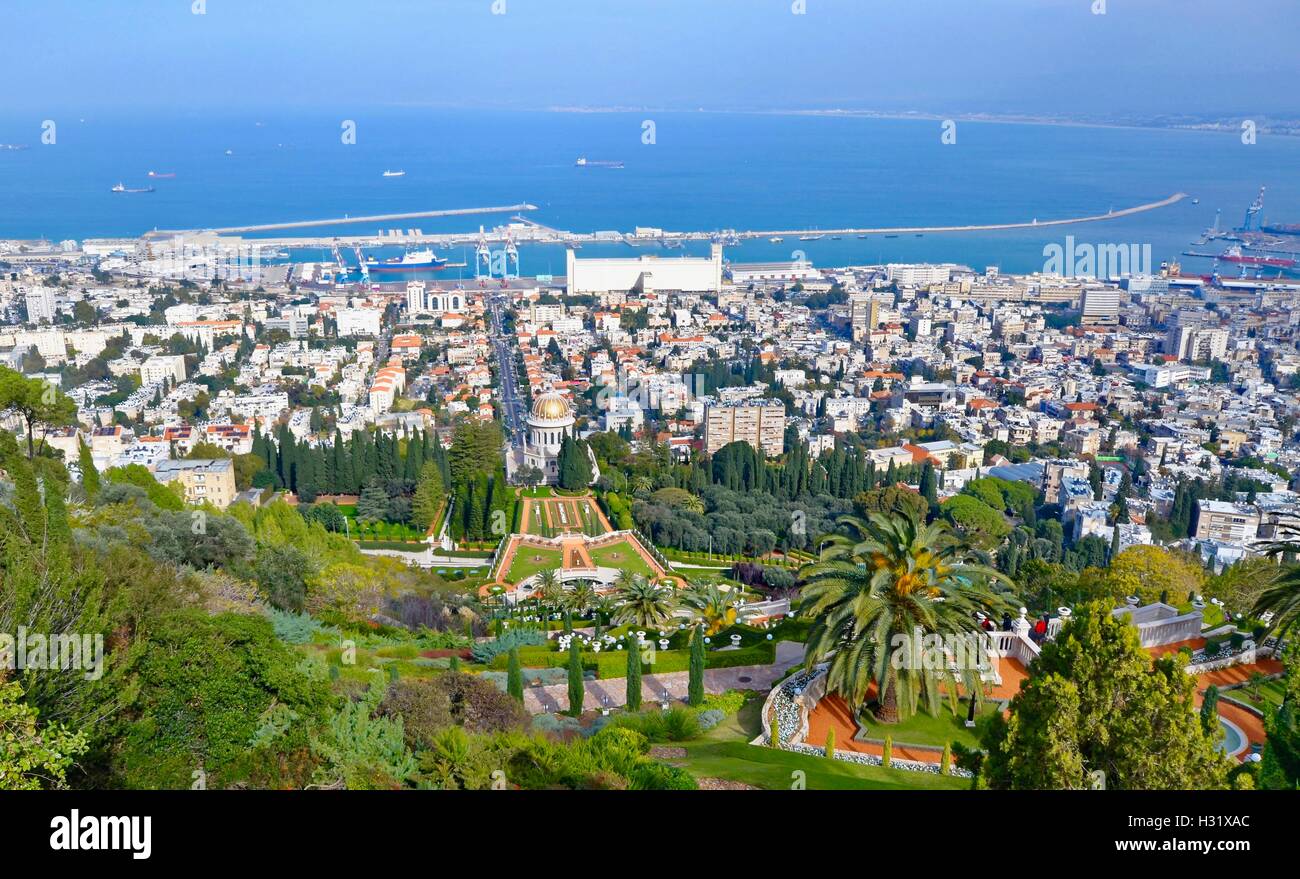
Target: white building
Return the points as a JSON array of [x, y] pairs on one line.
[[358, 321], [549, 422], [1100, 305], [160, 367], [912, 275], [645, 273], [41, 304]]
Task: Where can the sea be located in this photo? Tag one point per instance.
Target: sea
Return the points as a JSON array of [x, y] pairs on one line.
[[681, 171]]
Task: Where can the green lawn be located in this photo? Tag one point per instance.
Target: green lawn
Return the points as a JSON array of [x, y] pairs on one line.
[[937, 731], [725, 752], [530, 560], [1270, 695], [623, 556]]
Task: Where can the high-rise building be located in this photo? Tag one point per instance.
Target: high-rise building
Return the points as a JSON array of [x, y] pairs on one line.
[[41, 305], [1100, 305], [1197, 344], [415, 301], [761, 423], [864, 315]]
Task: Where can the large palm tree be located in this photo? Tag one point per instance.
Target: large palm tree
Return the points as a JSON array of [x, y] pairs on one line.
[[549, 587], [581, 598], [710, 606], [1282, 597], [643, 603], [889, 577]]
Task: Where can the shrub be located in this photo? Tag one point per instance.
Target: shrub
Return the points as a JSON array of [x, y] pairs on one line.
[[507, 641], [727, 703], [677, 724], [424, 709], [1212, 647], [478, 705], [709, 718]]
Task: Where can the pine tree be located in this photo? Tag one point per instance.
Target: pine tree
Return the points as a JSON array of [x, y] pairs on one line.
[[515, 676], [633, 674], [577, 690], [695, 688], [373, 503]]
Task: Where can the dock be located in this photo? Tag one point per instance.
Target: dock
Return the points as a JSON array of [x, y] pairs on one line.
[[523, 231]]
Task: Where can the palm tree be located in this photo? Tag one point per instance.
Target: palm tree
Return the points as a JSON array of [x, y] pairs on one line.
[[710, 606], [625, 578], [549, 587], [642, 603], [1282, 597], [894, 577], [581, 598]]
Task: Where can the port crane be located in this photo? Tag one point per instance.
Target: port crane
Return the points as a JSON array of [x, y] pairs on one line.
[[1253, 212]]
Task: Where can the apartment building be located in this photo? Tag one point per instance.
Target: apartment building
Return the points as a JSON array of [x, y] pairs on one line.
[[761, 423], [202, 480], [1221, 520]]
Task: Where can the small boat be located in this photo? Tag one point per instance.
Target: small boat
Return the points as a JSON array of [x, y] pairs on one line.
[[864, 237], [891, 236], [394, 173], [835, 238], [1196, 201], [230, 152], [584, 162], [776, 240]]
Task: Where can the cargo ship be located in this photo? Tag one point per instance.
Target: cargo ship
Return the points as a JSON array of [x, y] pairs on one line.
[[412, 261], [394, 173], [584, 162], [161, 175], [1234, 255], [122, 188]]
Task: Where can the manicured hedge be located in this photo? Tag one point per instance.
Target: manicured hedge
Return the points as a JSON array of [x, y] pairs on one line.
[[613, 664]]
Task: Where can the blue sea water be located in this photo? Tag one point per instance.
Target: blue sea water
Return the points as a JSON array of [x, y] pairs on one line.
[[704, 171]]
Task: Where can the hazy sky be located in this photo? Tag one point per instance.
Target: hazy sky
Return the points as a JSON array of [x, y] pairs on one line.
[[1036, 56]]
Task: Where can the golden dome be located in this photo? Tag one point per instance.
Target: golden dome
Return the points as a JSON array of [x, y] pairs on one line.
[[550, 406]]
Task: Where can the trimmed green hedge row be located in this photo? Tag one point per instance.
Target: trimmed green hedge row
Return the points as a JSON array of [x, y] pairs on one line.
[[613, 664]]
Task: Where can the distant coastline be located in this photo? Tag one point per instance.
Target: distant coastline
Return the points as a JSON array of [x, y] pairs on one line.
[[1265, 125]]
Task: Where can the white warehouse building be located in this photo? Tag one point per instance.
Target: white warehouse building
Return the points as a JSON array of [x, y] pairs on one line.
[[645, 274]]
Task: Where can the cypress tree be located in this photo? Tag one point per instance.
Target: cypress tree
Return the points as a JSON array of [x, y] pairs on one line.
[[89, 475], [577, 691], [830, 743], [633, 675], [515, 676], [695, 688]]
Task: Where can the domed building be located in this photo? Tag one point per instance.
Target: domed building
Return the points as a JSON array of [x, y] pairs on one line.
[[549, 422]]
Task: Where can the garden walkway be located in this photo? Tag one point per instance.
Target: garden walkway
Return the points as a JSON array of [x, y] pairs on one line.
[[672, 686]]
